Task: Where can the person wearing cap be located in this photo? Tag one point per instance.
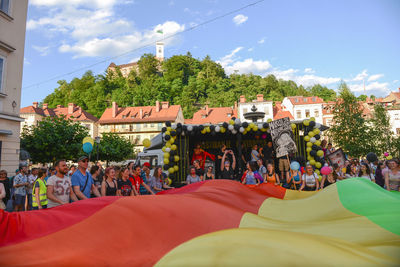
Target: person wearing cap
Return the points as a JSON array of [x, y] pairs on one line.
[[145, 175], [82, 181]]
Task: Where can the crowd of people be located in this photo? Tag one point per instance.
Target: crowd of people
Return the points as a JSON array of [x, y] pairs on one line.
[[42, 188], [50, 187]]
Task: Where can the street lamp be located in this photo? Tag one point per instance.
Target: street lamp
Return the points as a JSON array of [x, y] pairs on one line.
[[97, 140]]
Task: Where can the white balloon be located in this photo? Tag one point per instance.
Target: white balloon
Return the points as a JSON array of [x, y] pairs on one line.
[[230, 127], [173, 126], [326, 164], [190, 128], [241, 129], [163, 135], [313, 140], [237, 121], [234, 132], [168, 149], [217, 129], [317, 125], [183, 133], [260, 126]]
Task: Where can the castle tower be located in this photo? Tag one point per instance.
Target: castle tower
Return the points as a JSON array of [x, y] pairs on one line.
[[160, 51]]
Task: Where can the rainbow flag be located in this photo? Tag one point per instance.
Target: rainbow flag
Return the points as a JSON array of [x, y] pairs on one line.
[[213, 223]]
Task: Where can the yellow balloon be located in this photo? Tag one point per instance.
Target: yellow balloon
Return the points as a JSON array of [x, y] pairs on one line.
[[208, 129], [293, 126], [309, 158], [320, 153], [307, 138], [319, 178], [269, 120], [389, 157], [169, 129], [344, 170], [146, 142], [231, 122], [88, 139], [171, 170], [306, 122], [167, 144], [203, 131], [312, 162], [309, 144], [318, 165], [318, 142], [316, 131], [176, 158], [174, 147], [223, 130], [317, 171], [251, 125], [176, 168], [312, 119], [166, 155], [309, 149], [169, 181], [166, 160], [167, 133], [311, 134]]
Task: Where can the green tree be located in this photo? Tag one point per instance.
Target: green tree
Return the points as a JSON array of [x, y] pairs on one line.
[[114, 148], [148, 66], [53, 138], [350, 130], [323, 92], [362, 97], [382, 136]]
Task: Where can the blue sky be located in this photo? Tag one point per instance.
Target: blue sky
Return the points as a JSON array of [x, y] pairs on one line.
[[314, 41]]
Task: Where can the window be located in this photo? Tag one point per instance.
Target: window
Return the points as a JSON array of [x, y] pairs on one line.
[[123, 116], [298, 114], [229, 115], [123, 126], [266, 110], [314, 99], [5, 6], [203, 116], [398, 131], [2, 64], [305, 99], [307, 113], [138, 127], [87, 126], [316, 113], [144, 125], [296, 100]]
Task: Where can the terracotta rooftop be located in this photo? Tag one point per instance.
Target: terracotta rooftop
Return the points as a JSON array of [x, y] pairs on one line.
[[72, 112], [279, 113], [117, 114], [213, 115], [305, 100]]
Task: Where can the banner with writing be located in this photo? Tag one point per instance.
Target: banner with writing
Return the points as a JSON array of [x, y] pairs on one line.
[[282, 137]]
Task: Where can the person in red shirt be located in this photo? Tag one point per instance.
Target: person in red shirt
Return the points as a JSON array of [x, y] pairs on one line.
[[136, 180]]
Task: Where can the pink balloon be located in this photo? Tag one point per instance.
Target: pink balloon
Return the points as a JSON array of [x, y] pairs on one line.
[[386, 154], [263, 136], [326, 170]]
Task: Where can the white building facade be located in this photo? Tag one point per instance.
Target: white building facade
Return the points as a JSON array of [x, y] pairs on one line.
[[304, 107], [394, 115], [261, 105]]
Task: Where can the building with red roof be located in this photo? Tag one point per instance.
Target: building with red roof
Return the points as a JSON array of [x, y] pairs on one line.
[[213, 115], [139, 123], [303, 107], [33, 114]]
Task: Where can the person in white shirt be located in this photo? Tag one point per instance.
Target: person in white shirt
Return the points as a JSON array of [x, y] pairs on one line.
[[59, 186], [309, 179], [365, 172]]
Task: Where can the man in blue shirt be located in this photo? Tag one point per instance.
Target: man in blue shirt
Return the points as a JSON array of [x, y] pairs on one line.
[[82, 181]]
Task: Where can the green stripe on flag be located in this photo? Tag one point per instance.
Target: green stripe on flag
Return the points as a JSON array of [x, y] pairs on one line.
[[367, 199]]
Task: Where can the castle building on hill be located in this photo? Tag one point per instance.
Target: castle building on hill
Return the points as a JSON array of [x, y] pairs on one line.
[[127, 68]]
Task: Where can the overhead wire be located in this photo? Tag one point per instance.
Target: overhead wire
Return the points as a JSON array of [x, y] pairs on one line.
[[144, 46]]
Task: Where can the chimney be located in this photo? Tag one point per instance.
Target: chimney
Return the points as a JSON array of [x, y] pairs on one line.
[[207, 110], [141, 113], [242, 99], [59, 106], [71, 107], [35, 104], [45, 105], [399, 89], [158, 108], [260, 98], [236, 106], [114, 109], [165, 105]]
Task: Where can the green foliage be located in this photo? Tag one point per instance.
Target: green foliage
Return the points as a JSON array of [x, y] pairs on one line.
[[180, 79], [53, 138], [114, 148], [362, 97]]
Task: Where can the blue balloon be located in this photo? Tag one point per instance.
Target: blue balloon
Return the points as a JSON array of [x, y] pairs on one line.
[[295, 165], [87, 147]]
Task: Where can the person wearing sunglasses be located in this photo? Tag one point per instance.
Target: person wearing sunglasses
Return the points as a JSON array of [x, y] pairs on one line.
[[82, 181]]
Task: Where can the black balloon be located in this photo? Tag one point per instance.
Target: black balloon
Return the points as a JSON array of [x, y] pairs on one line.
[[168, 124], [245, 124], [313, 153], [171, 158], [237, 127], [312, 124], [178, 131], [184, 127], [225, 124], [212, 128], [317, 136], [322, 161], [164, 129], [314, 147], [166, 167], [233, 118], [201, 127], [265, 125], [195, 128], [167, 137], [317, 158], [371, 157], [173, 133], [179, 125]]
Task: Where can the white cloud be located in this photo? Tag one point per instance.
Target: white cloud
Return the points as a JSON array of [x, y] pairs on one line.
[[251, 49], [395, 81], [43, 50], [375, 77], [26, 62], [239, 19], [228, 59], [361, 76], [248, 65], [261, 41], [309, 70], [374, 86], [94, 29]]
